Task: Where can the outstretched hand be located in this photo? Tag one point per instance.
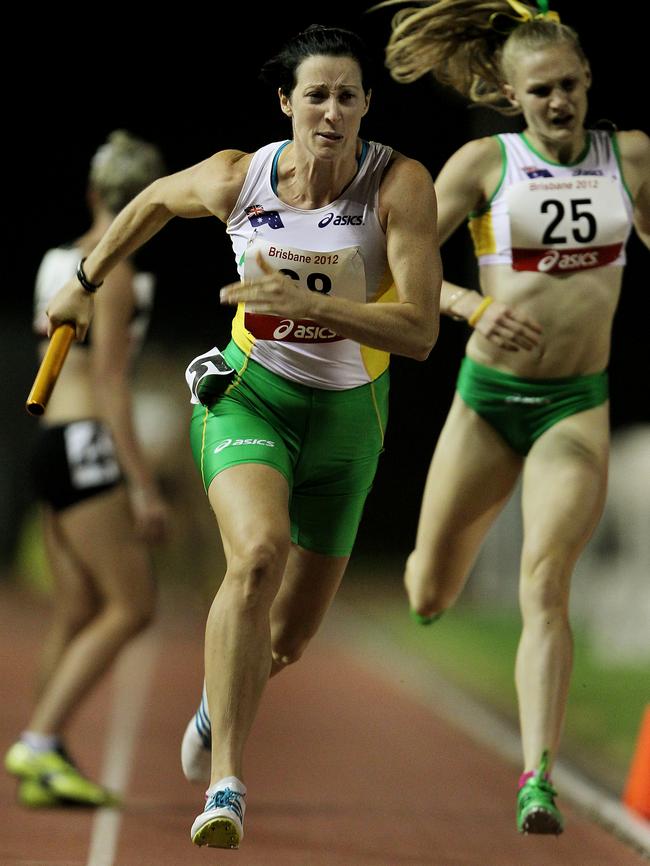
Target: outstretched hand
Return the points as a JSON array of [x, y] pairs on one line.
[[272, 293], [509, 328]]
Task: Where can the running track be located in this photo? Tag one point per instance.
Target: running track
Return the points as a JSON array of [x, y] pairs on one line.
[[346, 766]]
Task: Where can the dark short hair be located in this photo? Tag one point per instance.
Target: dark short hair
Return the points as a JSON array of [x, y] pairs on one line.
[[280, 71]]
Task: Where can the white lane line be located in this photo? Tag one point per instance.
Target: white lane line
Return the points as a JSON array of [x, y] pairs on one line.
[[373, 648], [132, 679]]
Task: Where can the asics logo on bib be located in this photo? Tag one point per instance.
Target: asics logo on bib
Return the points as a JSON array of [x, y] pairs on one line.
[[234, 442], [288, 327], [344, 220], [555, 260]]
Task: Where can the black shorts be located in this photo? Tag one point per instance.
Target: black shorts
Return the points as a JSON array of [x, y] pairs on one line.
[[72, 462]]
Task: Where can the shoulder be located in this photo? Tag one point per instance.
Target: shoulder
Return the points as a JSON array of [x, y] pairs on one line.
[[634, 150], [633, 145], [215, 183], [469, 177], [480, 156], [225, 166], [406, 193], [404, 175]]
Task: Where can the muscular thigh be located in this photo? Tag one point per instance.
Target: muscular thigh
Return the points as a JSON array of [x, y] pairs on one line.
[[565, 481], [472, 472]]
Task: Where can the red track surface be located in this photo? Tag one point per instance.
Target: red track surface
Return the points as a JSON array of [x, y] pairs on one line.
[[344, 769]]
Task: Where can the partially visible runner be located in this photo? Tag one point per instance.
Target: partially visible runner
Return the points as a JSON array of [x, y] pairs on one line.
[[550, 210], [335, 243], [101, 505]]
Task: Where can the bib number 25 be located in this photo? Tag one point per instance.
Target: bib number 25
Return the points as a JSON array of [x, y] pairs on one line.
[[583, 222]]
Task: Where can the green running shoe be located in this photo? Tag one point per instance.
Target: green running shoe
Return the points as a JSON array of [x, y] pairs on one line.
[[536, 809], [54, 770], [421, 619]]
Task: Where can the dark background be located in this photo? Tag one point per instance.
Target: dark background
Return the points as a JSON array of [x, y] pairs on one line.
[[187, 81]]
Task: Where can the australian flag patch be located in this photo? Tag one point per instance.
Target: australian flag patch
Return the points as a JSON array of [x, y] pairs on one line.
[[257, 216], [534, 172]]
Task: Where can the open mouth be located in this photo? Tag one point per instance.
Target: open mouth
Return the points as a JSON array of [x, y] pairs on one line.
[[562, 120]]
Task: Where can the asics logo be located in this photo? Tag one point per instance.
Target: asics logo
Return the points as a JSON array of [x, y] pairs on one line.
[[288, 327], [531, 401], [567, 261], [344, 220], [227, 443]]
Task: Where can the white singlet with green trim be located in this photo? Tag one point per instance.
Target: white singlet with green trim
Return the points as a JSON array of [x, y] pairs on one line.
[[338, 250], [554, 218]]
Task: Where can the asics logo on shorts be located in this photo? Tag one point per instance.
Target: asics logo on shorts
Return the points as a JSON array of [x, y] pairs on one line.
[[227, 443]]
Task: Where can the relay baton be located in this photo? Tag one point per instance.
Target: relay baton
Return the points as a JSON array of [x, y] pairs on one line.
[[49, 370]]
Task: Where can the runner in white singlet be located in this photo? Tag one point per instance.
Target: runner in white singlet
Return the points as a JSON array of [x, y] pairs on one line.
[[101, 505], [550, 210], [317, 322]]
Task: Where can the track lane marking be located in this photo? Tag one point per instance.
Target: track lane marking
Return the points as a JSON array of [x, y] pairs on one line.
[[132, 679]]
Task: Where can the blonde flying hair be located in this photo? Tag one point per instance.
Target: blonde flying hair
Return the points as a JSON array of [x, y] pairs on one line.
[[470, 45], [122, 167]]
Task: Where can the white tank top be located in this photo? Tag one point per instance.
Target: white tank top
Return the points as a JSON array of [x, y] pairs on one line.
[[60, 264], [555, 218], [339, 250]]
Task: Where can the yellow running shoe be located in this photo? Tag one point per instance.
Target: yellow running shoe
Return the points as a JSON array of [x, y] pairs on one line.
[[36, 795], [54, 770]]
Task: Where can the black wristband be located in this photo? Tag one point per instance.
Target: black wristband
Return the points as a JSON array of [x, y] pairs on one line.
[[83, 279]]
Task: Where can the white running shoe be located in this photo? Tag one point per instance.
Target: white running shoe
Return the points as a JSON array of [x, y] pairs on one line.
[[196, 748], [221, 824]]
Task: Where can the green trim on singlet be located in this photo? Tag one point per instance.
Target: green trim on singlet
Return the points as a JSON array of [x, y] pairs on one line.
[[619, 161], [475, 214], [276, 157], [520, 409], [548, 161], [274, 166]]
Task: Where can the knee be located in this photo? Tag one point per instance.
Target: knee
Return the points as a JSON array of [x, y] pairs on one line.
[[428, 594], [255, 570], [75, 614], [286, 654], [545, 584], [289, 643], [131, 616]]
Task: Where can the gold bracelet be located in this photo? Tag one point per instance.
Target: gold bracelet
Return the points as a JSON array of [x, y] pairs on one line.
[[478, 312], [455, 296]]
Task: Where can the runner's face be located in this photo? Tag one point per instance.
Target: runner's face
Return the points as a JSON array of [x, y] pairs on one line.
[[326, 105], [550, 86]]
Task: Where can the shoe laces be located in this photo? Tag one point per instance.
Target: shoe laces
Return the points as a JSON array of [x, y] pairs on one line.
[[226, 799], [537, 788]]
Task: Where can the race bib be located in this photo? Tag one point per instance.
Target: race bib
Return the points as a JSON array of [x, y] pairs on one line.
[[565, 224], [90, 454], [337, 272]]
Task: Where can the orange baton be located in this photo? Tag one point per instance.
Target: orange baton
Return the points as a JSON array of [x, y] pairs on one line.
[[49, 370]]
